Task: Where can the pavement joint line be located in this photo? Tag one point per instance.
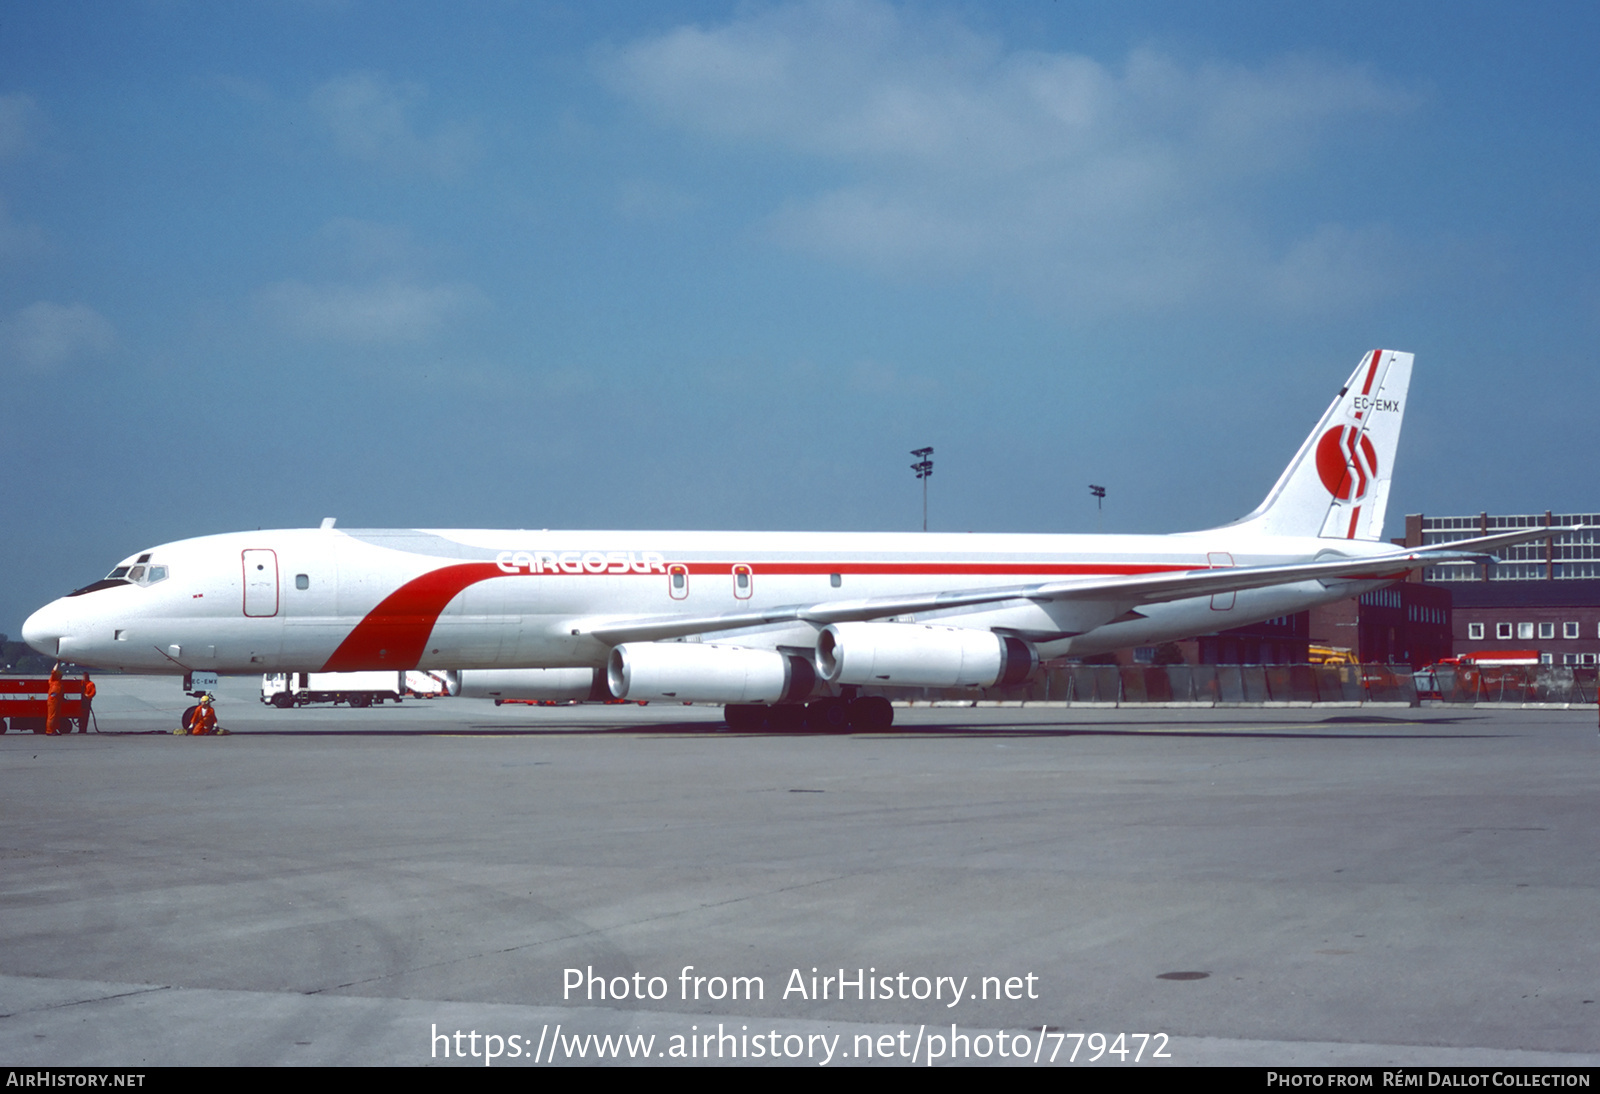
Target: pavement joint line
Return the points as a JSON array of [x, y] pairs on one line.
[[575, 934]]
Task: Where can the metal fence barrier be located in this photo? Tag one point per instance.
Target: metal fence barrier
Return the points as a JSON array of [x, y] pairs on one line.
[[1227, 685]]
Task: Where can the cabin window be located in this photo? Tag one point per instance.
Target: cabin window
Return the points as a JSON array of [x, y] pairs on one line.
[[835, 580], [302, 581]]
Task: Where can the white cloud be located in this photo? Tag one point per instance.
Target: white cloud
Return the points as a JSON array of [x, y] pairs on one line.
[[371, 119], [1092, 186], [44, 336], [387, 312]]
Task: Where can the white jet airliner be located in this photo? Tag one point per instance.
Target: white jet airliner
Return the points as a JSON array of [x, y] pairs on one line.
[[761, 621]]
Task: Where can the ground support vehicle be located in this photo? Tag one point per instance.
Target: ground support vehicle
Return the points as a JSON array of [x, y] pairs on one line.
[[359, 689], [24, 699]]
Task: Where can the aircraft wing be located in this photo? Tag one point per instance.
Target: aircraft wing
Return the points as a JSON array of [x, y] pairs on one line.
[[1483, 544], [1129, 590]]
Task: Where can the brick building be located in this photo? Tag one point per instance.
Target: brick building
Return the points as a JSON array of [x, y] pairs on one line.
[[1544, 595]]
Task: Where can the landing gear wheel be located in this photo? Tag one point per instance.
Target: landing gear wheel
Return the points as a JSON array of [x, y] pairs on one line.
[[872, 714], [828, 716], [744, 716], [788, 718], [283, 700]]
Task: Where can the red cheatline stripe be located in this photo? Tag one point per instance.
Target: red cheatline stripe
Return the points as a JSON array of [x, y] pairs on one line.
[[1354, 438], [393, 635], [943, 568], [1372, 370]]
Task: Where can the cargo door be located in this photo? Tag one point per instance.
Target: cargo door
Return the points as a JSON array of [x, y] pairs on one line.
[[260, 583]]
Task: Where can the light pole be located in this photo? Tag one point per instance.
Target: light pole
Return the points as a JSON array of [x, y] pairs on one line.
[[924, 468], [1099, 493]]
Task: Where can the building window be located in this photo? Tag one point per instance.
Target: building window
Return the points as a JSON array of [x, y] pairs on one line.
[[1524, 632], [1547, 630], [1569, 630], [1502, 630], [1475, 631], [1547, 659]]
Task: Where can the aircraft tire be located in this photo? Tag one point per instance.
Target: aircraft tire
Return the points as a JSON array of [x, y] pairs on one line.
[[828, 716], [786, 718], [873, 714], [188, 716], [744, 716]]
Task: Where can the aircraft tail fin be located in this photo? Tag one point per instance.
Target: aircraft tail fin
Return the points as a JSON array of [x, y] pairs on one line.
[[1337, 485]]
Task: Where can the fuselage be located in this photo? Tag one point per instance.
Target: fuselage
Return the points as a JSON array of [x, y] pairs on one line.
[[343, 600]]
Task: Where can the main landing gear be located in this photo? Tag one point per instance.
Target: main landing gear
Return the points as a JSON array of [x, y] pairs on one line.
[[866, 715]]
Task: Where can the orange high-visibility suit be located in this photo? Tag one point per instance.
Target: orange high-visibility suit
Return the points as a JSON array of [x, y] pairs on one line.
[[204, 720], [52, 706], [88, 698]]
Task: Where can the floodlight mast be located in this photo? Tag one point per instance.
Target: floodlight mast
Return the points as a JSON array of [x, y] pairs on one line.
[[924, 468]]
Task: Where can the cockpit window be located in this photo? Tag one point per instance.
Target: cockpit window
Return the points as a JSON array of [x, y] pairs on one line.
[[137, 574]]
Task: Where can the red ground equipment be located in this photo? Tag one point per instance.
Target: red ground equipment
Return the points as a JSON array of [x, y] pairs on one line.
[[23, 699]]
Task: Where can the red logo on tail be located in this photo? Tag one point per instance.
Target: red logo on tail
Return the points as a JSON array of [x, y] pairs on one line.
[[1346, 462]]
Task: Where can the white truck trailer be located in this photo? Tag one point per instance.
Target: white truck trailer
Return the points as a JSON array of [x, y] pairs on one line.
[[360, 689]]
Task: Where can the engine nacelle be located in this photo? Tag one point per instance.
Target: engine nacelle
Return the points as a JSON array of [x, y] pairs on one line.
[[529, 684], [923, 655], [707, 673]]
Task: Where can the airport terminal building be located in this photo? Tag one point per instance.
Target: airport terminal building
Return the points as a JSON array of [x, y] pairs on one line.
[[1544, 595]]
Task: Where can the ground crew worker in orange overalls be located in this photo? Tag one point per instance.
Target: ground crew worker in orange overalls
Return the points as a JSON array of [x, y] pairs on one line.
[[88, 698], [204, 721], [52, 705]]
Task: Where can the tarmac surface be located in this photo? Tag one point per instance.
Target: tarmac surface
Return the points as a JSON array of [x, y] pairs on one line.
[[335, 886]]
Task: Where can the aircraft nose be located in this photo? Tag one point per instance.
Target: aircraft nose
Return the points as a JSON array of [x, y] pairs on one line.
[[43, 629]]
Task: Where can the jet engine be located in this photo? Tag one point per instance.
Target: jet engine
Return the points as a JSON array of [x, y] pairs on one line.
[[503, 684], [922, 655], [707, 673]]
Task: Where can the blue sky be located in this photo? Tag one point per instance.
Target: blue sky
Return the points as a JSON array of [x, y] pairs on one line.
[[723, 265]]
